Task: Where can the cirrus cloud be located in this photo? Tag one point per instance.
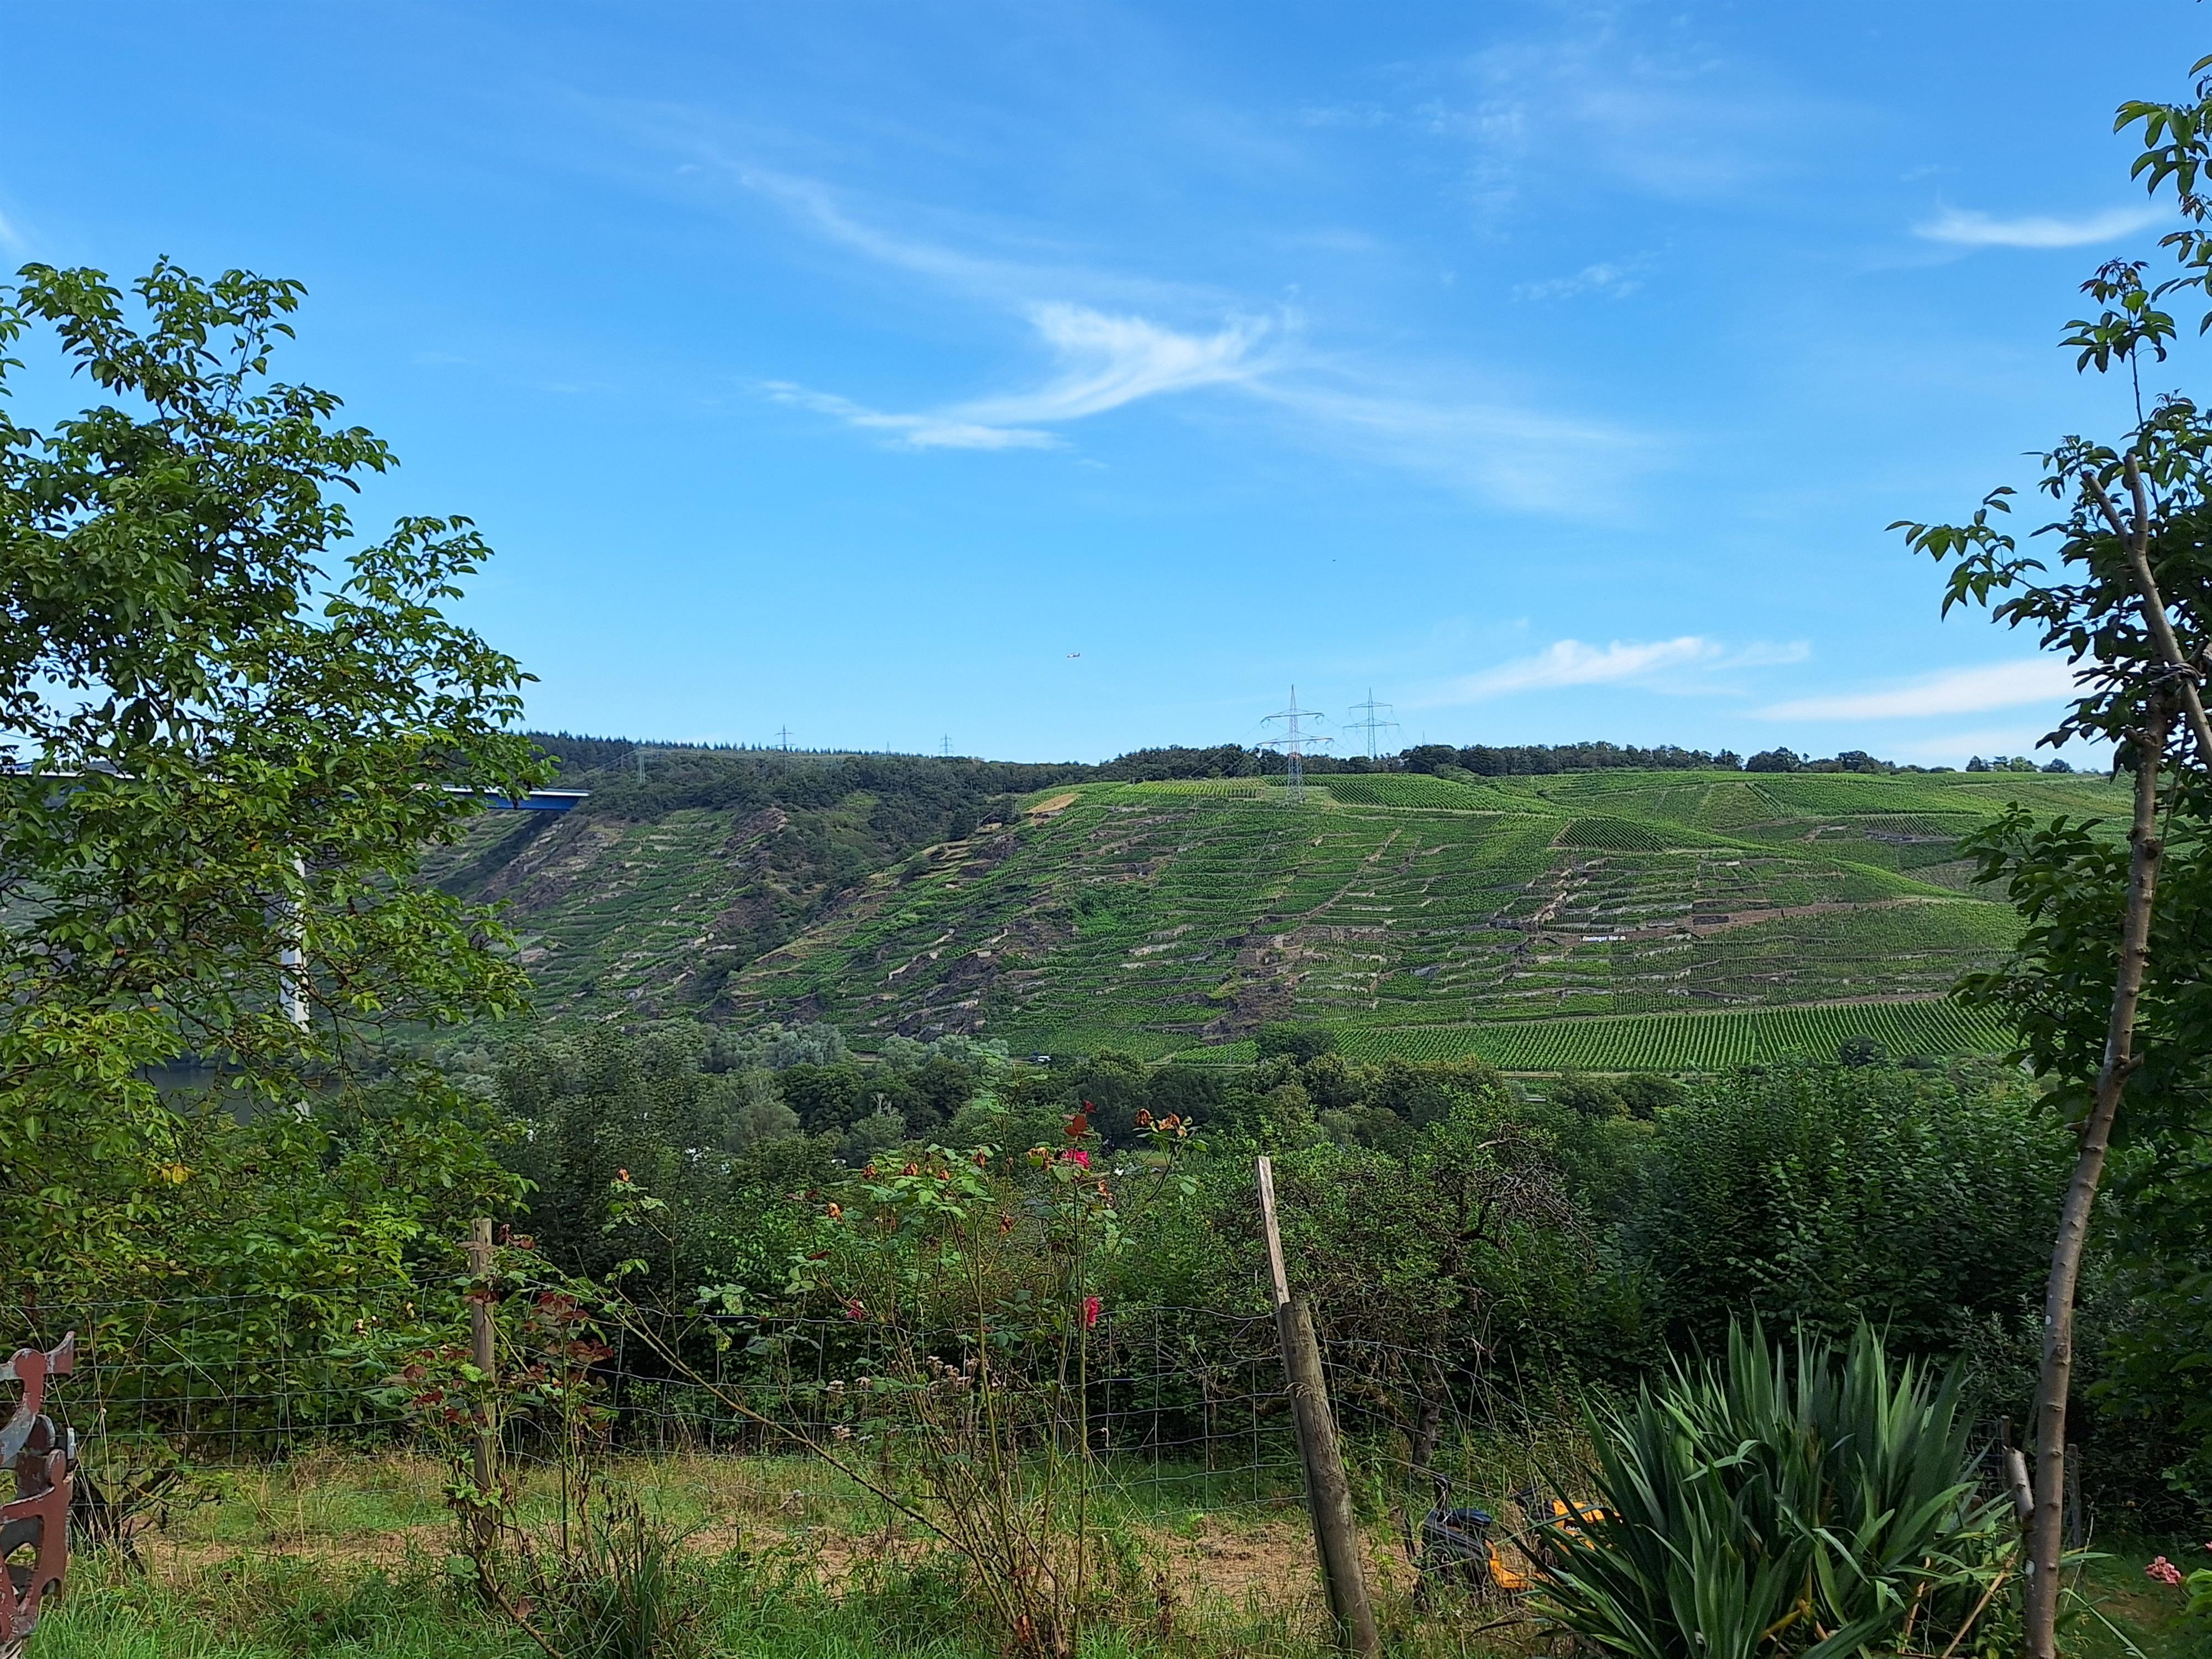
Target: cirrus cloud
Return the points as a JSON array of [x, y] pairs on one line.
[[1108, 349], [1105, 362], [913, 431], [1956, 691], [1964, 228], [1109, 361]]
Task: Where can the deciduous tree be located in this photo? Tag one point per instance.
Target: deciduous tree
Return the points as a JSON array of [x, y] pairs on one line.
[[230, 724]]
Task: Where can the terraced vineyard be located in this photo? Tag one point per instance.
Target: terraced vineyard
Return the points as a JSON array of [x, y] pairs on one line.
[[1691, 1042], [1606, 920]]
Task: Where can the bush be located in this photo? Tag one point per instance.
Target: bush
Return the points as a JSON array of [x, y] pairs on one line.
[[1826, 1195], [1300, 1043]]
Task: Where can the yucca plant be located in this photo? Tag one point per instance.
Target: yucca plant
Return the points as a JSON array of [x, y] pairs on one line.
[[1819, 1503]]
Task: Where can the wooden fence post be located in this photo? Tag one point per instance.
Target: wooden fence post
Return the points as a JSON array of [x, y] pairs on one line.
[[1328, 1493], [484, 1355]]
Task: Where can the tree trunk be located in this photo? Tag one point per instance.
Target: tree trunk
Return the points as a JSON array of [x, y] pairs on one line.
[[2046, 1535]]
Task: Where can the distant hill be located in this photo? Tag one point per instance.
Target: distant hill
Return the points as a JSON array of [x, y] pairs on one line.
[[1673, 919]]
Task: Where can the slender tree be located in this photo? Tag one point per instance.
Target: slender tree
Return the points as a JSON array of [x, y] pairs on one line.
[[2107, 988]]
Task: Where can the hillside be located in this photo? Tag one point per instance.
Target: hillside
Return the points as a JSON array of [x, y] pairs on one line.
[[1607, 919], [686, 864]]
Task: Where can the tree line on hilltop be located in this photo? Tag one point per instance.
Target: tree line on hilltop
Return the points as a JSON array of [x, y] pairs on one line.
[[642, 777]]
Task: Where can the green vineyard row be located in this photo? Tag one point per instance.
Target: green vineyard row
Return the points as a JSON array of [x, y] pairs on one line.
[[1691, 1042], [1618, 835]]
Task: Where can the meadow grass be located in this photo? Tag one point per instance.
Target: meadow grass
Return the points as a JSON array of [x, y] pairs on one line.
[[345, 1556]]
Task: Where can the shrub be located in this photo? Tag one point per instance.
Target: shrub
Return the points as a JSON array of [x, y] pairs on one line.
[[1300, 1043], [1825, 1195]]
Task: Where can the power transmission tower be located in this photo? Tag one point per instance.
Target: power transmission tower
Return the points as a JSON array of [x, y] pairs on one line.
[[1295, 741], [1373, 722], [783, 739], [946, 750]]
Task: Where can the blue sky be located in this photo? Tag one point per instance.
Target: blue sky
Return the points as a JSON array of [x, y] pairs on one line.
[[1059, 379]]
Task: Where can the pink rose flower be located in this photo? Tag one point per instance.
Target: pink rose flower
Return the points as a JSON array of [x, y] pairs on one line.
[[2164, 1572], [1092, 1305]]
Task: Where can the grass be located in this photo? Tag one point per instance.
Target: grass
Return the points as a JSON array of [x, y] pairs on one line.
[[2121, 1614], [344, 1557]]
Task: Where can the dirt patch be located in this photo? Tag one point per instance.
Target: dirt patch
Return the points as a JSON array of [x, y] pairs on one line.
[[386, 1548], [1057, 804], [1271, 1561]]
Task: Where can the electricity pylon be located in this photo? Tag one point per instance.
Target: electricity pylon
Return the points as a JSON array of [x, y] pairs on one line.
[[1371, 722], [1295, 741]]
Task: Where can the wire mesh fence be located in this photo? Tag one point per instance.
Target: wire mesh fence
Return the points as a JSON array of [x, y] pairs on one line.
[[1177, 1408]]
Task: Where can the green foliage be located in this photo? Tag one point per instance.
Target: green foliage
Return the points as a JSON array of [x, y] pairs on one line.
[[1646, 1094], [232, 726], [2157, 1351], [309, 1248], [1587, 1097], [609, 1113], [1469, 1227], [976, 1280], [1825, 1196], [602, 1578], [1299, 1042], [1762, 1507], [225, 748]]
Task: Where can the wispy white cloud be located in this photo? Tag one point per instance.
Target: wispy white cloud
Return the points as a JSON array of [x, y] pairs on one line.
[[1615, 280], [1020, 269], [912, 431], [1109, 361], [1105, 358], [1111, 347], [1570, 662], [1967, 228], [1689, 665], [1678, 122], [11, 239], [1106, 362], [1957, 691], [1522, 457], [1768, 655]]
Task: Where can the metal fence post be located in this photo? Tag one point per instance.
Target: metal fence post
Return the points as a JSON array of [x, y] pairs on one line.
[[1328, 1493]]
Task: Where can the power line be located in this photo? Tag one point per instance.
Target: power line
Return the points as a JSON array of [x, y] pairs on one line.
[[1372, 723], [1294, 742], [783, 738]]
